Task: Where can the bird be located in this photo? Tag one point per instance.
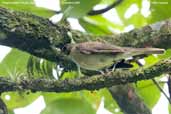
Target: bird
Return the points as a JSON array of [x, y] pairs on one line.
[[96, 55]]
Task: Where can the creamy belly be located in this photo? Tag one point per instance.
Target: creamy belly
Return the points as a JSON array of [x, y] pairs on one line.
[[92, 61]]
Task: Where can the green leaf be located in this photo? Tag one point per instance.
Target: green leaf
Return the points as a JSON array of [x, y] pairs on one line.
[[107, 1], [99, 25], [151, 97], [156, 7], [166, 55], [148, 92], [77, 8], [161, 7], [11, 112], [169, 109], [109, 102], [95, 98], [14, 64], [136, 19], [26, 5], [69, 105], [19, 99], [93, 28], [91, 97], [38, 67], [50, 97], [152, 60]]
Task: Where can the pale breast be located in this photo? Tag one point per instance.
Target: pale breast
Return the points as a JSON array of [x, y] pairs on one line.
[[92, 61]]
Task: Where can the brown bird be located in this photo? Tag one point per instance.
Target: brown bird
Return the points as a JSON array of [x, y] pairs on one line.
[[97, 55]]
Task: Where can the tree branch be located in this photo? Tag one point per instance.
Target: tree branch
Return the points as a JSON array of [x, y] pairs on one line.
[[128, 100], [161, 90], [143, 37], [32, 34], [101, 11], [89, 83], [3, 107]]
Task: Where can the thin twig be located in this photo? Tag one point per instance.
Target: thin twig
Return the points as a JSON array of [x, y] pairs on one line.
[[169, 85], [3, 107], [97, 12], [159, 87], [58, 12]]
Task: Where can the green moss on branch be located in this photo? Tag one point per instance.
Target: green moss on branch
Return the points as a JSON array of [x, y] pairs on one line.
[[143, 37], [33, 34], [89, 83]]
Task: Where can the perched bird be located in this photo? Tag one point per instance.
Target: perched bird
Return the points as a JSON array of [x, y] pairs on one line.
[[97, 55]]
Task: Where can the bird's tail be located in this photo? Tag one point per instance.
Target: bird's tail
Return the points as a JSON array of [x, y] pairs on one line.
[[139, 51]]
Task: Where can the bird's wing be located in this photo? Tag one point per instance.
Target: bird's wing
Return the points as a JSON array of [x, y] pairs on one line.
[[98, 47]]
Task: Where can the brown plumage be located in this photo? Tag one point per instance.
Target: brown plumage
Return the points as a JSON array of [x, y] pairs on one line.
[[98, 55]]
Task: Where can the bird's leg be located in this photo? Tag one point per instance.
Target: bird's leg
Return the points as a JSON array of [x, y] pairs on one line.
[[108, 71], [79, 73], [78, 68], [114, 67], [102, 72]]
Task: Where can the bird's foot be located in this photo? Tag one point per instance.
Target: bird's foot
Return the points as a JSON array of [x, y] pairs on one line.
[[79, 73], [102, 72], [105, 72]]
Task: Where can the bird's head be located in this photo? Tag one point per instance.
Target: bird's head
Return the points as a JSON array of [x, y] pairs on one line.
[[67, 48]]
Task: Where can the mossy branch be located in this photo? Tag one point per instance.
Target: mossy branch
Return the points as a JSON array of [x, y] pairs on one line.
[[128, 100], [86, 83], [39, 37]]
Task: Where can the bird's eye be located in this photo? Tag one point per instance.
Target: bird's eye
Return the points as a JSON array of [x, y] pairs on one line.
[[64, 48]]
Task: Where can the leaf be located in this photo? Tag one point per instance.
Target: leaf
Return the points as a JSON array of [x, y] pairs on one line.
[[148, 92], [14, 63], [152, 60], [169, 109], [151, 97], [91, 97], [38, 67], [77, 8], [156, 7], [92, 28], [26, 5], [67, 104], [136, 19], [50, 97], [166, 55], [99, 25], [161, 7], [95, 98], [19, 99], [10, 112], [107, 1]]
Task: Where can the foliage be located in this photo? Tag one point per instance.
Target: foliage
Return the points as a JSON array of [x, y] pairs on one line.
[[17, 63]]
